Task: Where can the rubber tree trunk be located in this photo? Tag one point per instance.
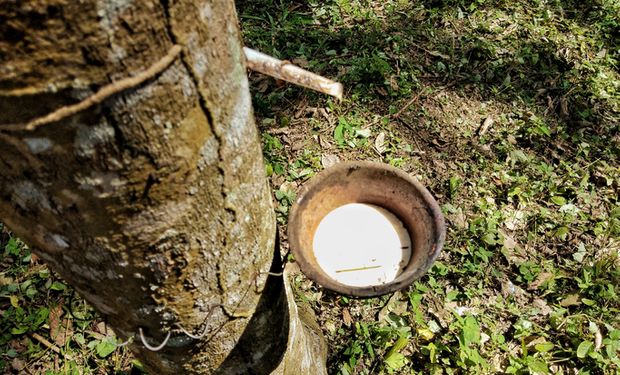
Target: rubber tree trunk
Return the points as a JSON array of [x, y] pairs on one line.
[[153, 203]]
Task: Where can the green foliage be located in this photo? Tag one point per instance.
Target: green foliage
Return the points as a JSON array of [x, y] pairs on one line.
[[528, 282], [39, 312]]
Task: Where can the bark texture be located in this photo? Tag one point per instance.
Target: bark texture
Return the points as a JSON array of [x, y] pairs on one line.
[[152, 204]]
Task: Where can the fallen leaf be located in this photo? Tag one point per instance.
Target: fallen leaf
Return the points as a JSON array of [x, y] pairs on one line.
[[364, 133], [300, 62], [564, 107], [598, 339], [542, 306], [394, 304], [380, 143], [6, 280], [508, 288], [324, 113], [509, 242], [287, 186], [54, 317], [425, 334], [394, 84], [298, 145], [262, 84], [459, 219], [571, 300], [329, 160], [488, 122], [512, 251], [514, 219], [324, 143], [346, 318], [542, 278], [65, 332], [18, 364], [439, 54]]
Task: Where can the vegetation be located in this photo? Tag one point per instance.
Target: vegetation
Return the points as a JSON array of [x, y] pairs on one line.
[[507, 111]]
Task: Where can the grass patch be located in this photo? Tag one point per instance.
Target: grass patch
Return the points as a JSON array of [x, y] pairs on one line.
[[508, 112]]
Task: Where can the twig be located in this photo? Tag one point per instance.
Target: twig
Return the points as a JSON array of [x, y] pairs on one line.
[[278, 131], [48, 344], [409, 103], [101, 95], [358, 269]]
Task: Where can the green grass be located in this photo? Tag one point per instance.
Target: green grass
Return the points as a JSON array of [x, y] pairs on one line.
[[44, 327], [509, 113], [513, 125]]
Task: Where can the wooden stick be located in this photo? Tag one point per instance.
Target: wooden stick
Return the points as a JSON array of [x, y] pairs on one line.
[[48, 344], [409, 103], [286, 71], [101, 95]]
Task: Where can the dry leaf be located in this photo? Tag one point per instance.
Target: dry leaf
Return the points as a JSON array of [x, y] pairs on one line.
[[300, 62], [288, 186], [346, 318], [488, 122], [512, 251], [262, 84], [394, 84], [380, 143], [459, 219], [65, 332], [323, 112], [509, 242], [18, 364], [102, 328], [541, 279], [564, 107], [298, 145], [394, 304], [571, 300], [324, 142], [598, 338], [55, 322], [514, 219], [329, 160], [511, 139], [542, 306]]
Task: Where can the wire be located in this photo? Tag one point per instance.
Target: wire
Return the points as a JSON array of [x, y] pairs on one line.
[[204, 331], [124, 343], [153, 348]]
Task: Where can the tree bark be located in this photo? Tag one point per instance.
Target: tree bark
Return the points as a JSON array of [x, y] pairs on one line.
[[152, 203]]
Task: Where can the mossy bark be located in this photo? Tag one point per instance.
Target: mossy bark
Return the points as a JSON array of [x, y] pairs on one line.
[[153, 204]]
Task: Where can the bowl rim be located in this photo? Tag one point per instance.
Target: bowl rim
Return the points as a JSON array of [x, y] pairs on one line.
[[319, 276]]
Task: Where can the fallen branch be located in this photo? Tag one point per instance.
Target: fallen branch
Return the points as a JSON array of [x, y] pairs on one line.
[[286, 71], [409, 103], [49, 345]]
